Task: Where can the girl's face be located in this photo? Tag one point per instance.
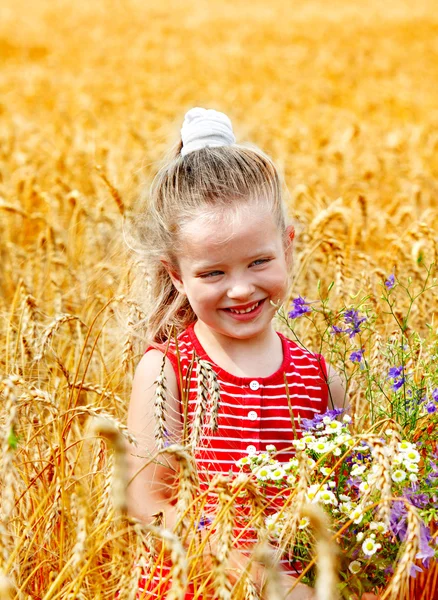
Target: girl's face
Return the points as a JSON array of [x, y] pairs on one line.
[[230, 271]]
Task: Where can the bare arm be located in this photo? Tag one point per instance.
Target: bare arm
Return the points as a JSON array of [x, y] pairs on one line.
[[152, 484], [337, 393]]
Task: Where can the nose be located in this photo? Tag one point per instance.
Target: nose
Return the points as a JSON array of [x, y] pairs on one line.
[[241, 290]]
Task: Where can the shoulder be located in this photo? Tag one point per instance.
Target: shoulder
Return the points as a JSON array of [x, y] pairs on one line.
[[300, 355], [151, 365]]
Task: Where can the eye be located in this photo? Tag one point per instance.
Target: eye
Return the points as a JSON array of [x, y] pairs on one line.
[[211, 274], [260, 261]]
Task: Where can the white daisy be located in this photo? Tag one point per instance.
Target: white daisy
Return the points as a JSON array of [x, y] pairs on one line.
[[411, 467], [243, 461], [263, 473], [398, 475], [321, 447], [360, 536], [304, 522], [356, 515], [278, 474], [346, 419], [369, 547], [308, 439], [358, 470], [333, 427], [379, 526], [405, 445], [271, 448], [325, 471], [412, 455], [299, 444], [364, 486], [328, 497], [354, 567]]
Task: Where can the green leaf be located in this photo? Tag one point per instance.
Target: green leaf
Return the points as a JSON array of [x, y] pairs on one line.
[[13, 439]]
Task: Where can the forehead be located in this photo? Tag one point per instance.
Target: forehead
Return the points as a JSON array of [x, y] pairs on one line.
[[216, 234]]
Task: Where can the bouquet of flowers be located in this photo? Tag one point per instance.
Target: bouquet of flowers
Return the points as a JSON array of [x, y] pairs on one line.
[[375, 472], [377, 488]]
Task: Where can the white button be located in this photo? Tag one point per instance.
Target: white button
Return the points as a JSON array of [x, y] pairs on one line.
[[252, 415], [251, 449], [254, 385]]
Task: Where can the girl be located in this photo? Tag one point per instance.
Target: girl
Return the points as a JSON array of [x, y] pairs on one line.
[[220, 250]]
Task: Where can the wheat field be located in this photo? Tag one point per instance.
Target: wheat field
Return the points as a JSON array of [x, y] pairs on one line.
[[342, 95]]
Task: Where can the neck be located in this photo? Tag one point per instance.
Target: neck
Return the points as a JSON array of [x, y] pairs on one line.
[[255, 356]]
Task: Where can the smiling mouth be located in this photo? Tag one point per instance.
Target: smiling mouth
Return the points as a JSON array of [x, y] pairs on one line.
[[243, 311]]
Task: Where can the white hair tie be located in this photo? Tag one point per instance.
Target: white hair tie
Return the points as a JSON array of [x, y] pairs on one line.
[[205, 127]]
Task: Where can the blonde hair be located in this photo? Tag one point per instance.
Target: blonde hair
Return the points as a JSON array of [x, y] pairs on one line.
[[204, 180]]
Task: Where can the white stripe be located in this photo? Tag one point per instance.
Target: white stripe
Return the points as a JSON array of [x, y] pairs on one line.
[[270, 406], [225, 415], [266, 397], [212, 438], [256, 430], [239, 450]]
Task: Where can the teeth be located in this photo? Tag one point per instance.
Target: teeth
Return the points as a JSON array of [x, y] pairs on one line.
[[246, 310]]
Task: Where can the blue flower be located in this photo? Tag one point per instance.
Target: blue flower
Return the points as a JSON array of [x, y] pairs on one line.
[[351, 317], [357, 356], [426, 551], [300, 307], [204, 521], [307, 424], [435, 394], [398, 383], [395, 372], [336, 330], [390, 282], [431, 407]]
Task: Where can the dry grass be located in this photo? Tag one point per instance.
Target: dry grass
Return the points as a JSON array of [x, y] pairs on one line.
[[343, 96]]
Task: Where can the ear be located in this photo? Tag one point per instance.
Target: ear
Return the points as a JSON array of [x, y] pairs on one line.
[[174, 276]]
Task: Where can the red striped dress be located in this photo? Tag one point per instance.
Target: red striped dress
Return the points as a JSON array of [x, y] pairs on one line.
[[253, 411]]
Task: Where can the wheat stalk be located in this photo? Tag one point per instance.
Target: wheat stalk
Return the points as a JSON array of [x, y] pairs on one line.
[[202, 377], [327, 554], [160, 407]]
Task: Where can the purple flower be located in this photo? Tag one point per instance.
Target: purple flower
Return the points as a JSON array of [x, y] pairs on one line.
[[390, 282], [351, 317], [426, 550], [414, 570], [336, 330], [395, 372], [435, 394], [300, 307], [431, 407], [307, 424], [357, 356], [416, 498], [397, 520], [397, 384], [204, 521]]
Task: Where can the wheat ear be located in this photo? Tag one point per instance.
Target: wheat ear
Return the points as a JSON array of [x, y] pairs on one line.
[[224, 537], [202, 377], [110, 432], [327, 552], [160, 407]]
